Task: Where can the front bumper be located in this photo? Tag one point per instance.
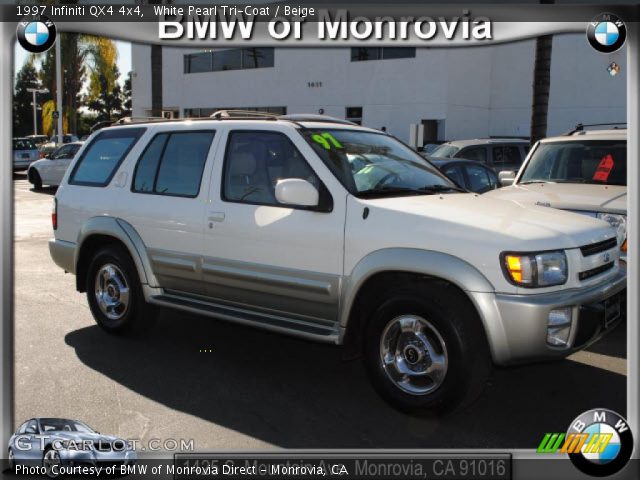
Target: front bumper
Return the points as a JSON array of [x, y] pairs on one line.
[[516, 325]]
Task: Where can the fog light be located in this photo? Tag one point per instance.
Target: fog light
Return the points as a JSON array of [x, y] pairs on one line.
[[559, 327]]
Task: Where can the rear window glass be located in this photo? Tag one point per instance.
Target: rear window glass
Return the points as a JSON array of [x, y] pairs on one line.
[[103, 156], [23, 144]]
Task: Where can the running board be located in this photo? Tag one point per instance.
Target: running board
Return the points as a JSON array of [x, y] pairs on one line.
[[276, 323]]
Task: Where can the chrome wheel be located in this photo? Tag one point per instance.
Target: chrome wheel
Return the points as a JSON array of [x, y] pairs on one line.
[[112, 292], [51, 459], [413, 354]]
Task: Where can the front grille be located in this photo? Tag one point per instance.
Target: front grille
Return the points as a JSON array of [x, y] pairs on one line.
[[595, 271], [594, 248]]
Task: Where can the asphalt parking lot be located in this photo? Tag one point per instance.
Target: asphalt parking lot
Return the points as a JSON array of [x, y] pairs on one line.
[[255, 389]]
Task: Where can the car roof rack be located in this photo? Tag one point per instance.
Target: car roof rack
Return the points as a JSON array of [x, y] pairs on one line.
[[307, 117], [580, 127], [243, 115]]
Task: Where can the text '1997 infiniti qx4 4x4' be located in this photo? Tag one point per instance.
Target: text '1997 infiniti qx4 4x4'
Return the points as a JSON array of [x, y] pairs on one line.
[[323, 229]]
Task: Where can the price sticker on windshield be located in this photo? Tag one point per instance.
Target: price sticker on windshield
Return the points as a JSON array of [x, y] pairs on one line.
[[326, 140], [604, 169]]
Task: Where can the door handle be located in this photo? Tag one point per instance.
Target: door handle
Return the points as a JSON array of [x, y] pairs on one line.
[[216, 216]]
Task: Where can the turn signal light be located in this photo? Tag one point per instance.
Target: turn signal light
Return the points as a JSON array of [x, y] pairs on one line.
[[623, 248], [515, 267]]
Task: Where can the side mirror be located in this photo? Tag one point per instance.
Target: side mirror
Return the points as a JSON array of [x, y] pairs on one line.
[[506, 177], [295, 191]]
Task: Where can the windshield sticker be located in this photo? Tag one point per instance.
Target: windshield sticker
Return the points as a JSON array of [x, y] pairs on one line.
[[604, 169], [326, 140]]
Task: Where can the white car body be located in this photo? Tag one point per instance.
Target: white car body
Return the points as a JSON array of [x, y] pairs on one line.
[[299, 271], [51, 170], [583, 198]]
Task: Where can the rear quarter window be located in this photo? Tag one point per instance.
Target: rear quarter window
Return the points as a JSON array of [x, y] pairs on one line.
[[101, 159]]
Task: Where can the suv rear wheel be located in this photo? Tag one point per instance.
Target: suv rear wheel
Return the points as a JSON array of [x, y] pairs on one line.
[[425, 348], [114, 292]]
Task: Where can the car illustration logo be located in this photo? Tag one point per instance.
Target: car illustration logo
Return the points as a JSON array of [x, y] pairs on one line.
[[36, 36], [606, 258]]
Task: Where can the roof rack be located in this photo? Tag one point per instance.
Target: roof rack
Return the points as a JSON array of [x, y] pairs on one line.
[[309, 117], [243, 115], [581, 126]]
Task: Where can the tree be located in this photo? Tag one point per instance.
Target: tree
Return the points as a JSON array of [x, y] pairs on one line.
[[541, 85], [81, 55], [27, 77], [126, 97], [105, 94]]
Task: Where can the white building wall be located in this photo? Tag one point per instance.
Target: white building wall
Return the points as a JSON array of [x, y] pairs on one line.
[[477, 91]]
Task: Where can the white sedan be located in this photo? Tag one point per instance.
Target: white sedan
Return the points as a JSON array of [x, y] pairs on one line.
[[51, 169]]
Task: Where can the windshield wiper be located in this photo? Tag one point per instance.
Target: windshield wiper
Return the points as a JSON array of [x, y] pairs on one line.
[[381, 192], [528, 182], [442, 188]]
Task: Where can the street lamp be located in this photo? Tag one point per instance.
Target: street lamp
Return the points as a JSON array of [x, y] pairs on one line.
[[35, 114]]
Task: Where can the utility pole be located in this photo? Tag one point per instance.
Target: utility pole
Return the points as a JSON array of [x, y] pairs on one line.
[[34, 91], [59, 89]]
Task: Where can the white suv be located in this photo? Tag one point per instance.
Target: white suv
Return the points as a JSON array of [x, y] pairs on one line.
[[333, 232]]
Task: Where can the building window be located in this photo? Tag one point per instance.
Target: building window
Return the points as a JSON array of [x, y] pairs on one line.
[[363, 54], [207, 112], [230, 59], [354, 114]]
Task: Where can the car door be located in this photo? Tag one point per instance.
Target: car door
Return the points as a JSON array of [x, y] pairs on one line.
[[57, 165], [263, 255], [169, 197]]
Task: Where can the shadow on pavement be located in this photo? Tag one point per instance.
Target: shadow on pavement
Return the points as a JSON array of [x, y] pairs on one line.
[[298, 394]]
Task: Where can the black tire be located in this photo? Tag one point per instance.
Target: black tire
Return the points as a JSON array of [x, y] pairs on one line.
[[34, 179], [447, 310], [137, 316]]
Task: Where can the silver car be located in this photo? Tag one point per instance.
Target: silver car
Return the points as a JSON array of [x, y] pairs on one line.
[[24, 153], [57, 441]]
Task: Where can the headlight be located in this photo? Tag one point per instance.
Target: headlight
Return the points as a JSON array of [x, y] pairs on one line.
[[618, 223], [533, 270]]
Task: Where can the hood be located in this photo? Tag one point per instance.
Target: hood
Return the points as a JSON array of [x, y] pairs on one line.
[[513, 225], [567, 196]]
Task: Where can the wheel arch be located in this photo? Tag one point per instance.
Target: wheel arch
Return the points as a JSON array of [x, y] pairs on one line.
[[98, 232], [370, 276]]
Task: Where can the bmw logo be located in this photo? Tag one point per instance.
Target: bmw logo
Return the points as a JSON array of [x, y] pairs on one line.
[[606, 33], [607, 442], [37, 35]]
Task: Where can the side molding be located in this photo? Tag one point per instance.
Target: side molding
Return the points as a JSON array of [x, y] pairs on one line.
[[123, 231]]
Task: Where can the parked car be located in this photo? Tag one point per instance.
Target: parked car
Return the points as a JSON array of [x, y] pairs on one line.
[[57, 441], [584, 172], [38, 139], [51, 169], [334, 232], [468, 174], [52, 144], [24, 153], [498, 153], [427, 148]]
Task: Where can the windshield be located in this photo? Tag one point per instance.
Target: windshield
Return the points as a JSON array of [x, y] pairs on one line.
[[62, 425], [445, 151], [373, 164], [23, 144], [596, 162]]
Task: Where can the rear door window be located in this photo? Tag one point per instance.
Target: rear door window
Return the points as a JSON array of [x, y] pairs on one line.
[[103, 156], [173, 164]]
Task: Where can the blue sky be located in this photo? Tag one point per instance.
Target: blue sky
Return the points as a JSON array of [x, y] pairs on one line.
[[124, 58]]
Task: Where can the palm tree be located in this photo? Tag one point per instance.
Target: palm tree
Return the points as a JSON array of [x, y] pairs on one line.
[[541, 85]]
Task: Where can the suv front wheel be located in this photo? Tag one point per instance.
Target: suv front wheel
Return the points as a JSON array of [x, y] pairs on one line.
[[114, 292], [425, 348]]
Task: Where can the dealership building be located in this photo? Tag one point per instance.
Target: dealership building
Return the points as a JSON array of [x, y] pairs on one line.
[[454, 93]]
